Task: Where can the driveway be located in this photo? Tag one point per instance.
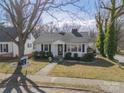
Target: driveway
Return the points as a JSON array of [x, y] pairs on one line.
[[120, 58]]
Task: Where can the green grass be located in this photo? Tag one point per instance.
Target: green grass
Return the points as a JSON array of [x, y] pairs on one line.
[[102, 69], [32, 68]]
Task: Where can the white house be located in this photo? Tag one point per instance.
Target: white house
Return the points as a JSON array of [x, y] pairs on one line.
[[9, 48], [63, 42]]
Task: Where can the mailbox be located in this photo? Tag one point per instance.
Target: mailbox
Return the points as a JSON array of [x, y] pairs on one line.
[[23, 61]]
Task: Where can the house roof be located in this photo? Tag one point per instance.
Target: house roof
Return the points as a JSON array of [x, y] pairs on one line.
[[4, 37], [68, 37]]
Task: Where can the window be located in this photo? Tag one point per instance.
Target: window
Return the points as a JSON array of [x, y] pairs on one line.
[[79, 48], [68, 48], [74, 48], [29, 45], [3, 47], [46, 47]]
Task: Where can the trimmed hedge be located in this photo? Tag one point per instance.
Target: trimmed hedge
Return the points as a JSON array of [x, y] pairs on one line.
[[76, 56], [42, 55], [86, 57], [68, 56]]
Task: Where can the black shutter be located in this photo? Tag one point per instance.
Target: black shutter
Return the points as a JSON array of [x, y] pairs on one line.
[[6, 47], [49, 47], [1, 48], [41, 47], [83, 47], [65, 47]]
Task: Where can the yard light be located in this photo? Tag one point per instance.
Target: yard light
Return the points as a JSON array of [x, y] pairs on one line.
[[50, 59]]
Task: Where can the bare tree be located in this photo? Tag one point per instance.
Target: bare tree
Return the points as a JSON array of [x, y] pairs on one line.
[[25, 14]]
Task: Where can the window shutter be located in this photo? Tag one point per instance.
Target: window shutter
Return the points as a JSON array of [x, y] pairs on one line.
[[0, 47], [6, 47], [65, 47], [49, 47], [41, 47], [83, 47]]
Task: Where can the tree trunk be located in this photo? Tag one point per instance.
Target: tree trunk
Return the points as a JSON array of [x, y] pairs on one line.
[[21, 49]]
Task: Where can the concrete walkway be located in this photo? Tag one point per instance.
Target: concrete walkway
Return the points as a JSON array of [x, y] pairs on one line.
[[45, 71]]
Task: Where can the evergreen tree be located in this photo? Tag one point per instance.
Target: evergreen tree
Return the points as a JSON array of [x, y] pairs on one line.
[[110, 37], [110, 43], [100, 38]]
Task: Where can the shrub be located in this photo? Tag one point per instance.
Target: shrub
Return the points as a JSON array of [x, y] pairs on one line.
[[42, 54], [76, 56], [88, 57], [36, 55], [49, 54], [68, 56]]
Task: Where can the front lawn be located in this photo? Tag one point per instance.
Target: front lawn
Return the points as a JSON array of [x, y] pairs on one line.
[[32, 68], [102, 69]]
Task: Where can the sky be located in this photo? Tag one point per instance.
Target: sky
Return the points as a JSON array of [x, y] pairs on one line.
[[84, 17]]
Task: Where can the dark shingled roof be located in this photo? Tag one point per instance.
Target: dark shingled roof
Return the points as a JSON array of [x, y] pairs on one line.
[[4, 37], [67, 37]]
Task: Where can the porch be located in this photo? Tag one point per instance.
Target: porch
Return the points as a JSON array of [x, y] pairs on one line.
[[61, 48]]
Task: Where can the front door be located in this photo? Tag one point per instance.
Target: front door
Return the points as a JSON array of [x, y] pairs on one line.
[[60, 49]]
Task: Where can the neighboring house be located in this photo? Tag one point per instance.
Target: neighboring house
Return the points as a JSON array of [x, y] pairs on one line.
[[63, 42], [8, 48], [120, 38]]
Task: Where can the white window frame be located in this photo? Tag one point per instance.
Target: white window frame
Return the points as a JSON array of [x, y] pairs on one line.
[[45, 47], [4, 48], [72, 48], [29, 45]]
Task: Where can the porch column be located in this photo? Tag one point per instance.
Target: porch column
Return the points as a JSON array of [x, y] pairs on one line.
[[81, 47], [63, 49], [85, 46], [70, 47]]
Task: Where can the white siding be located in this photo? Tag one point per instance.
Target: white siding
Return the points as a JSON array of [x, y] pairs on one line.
[[37, 47], [31, 41], [12, 47]]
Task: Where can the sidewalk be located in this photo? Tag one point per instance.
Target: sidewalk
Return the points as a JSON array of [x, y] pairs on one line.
[[45, 71], [109, 86]]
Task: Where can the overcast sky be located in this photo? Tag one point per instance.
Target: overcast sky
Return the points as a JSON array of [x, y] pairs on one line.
[[84, 17], [87, 12]]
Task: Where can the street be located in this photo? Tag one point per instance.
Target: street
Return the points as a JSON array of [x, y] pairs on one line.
[[120, 58]]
